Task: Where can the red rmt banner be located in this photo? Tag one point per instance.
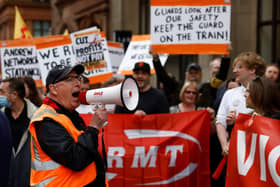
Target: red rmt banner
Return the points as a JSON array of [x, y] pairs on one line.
[[254, 152], [158, 150]]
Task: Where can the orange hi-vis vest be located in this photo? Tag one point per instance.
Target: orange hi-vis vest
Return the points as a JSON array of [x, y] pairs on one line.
[[45, 171]]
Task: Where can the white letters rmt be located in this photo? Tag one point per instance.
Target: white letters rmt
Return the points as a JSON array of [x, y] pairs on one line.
[[245, 165], [117, 153]]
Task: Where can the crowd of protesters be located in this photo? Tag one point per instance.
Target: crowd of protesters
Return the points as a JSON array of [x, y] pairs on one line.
[[247, 92]]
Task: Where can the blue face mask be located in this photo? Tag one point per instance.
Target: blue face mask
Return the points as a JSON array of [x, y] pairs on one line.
[[4, 102]]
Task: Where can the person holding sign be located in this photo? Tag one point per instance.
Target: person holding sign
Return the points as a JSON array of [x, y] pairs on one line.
[[151, 100], [63, 150], [193, 73], [246, 66]]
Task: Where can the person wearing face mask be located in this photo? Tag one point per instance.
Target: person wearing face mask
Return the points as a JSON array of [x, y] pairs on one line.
[[4, 102], [19, 112], [64, 151]]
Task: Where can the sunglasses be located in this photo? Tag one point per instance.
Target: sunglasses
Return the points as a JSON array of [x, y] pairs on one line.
[[190, 92]]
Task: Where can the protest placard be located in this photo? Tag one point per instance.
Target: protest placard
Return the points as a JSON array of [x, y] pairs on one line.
[[91, 50], [116, 52], [18, 58], [53, 51], [190, 26], [138, 50]]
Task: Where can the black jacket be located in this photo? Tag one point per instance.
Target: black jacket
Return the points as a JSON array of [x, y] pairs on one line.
[[56, 142], [152, 101], [6, 149], [19, 174]]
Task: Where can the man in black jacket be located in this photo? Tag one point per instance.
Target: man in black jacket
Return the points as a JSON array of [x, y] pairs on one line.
[[63, 136], [19, 112], [151, 100]]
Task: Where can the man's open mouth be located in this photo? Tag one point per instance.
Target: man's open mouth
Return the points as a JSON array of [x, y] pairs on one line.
[[75, 94]]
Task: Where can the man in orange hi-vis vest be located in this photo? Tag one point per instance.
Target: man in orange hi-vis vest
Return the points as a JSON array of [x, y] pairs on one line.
[[63, 150], [21, 31]]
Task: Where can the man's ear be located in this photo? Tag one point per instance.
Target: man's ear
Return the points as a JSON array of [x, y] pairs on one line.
[[252, 71], [13, 94], [53, 89]]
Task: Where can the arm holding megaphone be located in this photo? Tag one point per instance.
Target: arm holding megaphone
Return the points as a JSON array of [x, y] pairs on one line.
[[99, 118]]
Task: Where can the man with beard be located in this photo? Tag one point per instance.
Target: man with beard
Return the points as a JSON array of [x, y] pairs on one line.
[[19, 112], [151, 100]]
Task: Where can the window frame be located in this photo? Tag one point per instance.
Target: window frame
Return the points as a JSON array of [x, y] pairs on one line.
[[274, 22], [41, 29]]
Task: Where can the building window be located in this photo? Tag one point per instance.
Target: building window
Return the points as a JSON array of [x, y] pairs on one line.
[[144, 16], [41, 28], [268, 30]]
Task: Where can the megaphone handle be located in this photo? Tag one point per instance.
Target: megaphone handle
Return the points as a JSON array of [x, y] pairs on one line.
[[96, 106], [100, 105]]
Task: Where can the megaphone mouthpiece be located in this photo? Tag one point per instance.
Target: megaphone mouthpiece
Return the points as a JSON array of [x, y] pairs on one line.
[[82, 98]]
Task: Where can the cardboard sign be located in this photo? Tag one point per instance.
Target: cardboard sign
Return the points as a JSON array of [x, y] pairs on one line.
[[91, 50], [116, 52], [190, 26], [138, 50], [152, 151], [53, 51], [18, 58], [254, 152]]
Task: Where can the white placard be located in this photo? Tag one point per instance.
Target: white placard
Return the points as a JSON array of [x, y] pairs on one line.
[[116, 52], [19, 61], [190, 24], [138, 50], [91, 50], [50, 57]]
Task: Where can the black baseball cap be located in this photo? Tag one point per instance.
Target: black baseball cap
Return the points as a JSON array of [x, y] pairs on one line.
[[194, 66], [142, 66], [61, 71]]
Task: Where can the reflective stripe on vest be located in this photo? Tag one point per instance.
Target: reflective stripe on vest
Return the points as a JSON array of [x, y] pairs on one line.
[[42, 166], [44, 182], [44, 170]]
